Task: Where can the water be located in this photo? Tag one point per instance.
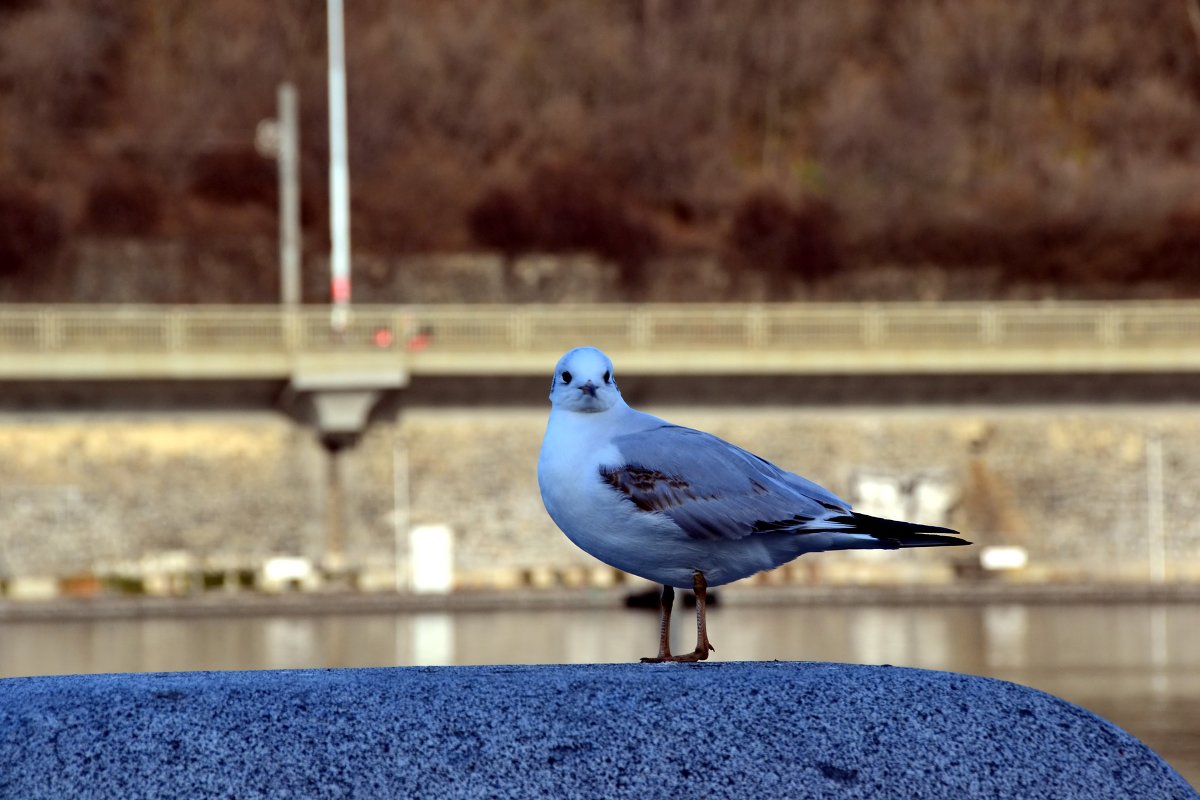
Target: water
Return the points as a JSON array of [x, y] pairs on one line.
[[1136, 665]]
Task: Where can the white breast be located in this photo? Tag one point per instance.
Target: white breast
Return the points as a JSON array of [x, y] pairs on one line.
[[597, 519]]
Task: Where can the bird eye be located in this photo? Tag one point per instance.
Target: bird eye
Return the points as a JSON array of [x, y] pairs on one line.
[[607, 376], [566, 376]]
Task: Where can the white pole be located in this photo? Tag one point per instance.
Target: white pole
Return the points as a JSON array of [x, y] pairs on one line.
[[289, 196], [1155, 518], [339, 171], [400, 513]]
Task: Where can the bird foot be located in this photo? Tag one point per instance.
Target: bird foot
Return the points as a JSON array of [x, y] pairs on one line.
[[695, 655]]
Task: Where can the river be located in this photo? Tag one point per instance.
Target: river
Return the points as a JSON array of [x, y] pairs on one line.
[[1137, 665]]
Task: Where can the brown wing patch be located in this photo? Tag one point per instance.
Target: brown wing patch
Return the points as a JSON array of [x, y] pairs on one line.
[[650, 489]]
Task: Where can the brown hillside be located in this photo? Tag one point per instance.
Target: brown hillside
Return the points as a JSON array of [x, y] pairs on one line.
[[1051, 144]]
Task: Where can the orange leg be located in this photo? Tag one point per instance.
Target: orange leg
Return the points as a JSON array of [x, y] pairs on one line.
[[664, 630], [703, 646]]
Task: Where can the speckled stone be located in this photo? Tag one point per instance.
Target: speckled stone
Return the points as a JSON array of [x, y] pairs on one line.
[[795, 730]]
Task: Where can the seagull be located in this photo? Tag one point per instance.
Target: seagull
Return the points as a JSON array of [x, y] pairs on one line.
[[681, 507]]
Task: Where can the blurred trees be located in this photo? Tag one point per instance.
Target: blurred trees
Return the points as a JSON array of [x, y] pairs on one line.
[[565, 208], [784, 240], [1053, 141], [30, 232]]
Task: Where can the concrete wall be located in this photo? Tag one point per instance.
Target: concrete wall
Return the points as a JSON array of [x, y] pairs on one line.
[[100, 493], [77, 492]]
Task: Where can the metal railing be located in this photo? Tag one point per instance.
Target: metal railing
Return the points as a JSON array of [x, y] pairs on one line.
[[177, 341]]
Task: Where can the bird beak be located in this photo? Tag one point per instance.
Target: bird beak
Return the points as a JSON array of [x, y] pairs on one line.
[[589, 389]]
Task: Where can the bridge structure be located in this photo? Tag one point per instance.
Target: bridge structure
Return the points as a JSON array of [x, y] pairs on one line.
[[72, 342], [345, 368]]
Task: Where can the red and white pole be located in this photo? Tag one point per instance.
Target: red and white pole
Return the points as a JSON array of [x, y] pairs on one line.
[[339, 172]]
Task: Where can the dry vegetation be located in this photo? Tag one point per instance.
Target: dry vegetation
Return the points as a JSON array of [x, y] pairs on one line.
[[1052, 143]]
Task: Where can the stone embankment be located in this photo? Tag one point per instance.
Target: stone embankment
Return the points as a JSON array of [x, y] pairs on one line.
[[214, 495]]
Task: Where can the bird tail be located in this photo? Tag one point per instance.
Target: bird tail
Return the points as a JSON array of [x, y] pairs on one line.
[[892, 534]]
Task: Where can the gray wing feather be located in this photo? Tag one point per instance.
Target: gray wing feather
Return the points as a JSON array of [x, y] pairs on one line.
[[713, 489]]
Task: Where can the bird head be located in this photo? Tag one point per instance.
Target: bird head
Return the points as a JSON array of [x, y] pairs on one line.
[[583, 381]]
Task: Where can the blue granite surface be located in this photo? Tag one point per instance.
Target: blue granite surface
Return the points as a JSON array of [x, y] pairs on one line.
[[776, 730]]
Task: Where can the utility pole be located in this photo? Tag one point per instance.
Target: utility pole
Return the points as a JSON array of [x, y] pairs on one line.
[[279, 139], [289, 197], [339, 172]]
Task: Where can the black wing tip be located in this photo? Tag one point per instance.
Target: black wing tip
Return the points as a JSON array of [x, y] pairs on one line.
[[895, 542], [937, 539], [866, 520], [904, 534]]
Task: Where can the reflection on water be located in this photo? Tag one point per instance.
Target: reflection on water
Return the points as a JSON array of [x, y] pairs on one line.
[[1137, 665]]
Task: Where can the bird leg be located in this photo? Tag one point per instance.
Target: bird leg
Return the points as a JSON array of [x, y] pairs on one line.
[[664, 630], [703, 646]]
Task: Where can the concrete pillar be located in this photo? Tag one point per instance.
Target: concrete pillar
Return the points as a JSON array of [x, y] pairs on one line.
[[338, 405]]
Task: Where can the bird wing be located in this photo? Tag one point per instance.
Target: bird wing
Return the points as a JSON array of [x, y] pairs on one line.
[[713, 489]]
